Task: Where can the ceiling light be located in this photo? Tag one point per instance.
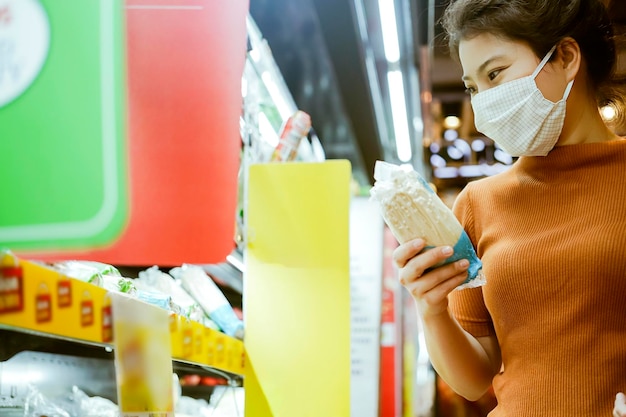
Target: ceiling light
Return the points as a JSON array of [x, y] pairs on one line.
[[437, 161], [463, 146], [398, 111], [478, 145], [389, 27], [452, 122], [450, 135], [608, 113], [454, 152], [446, 172], [503, 157]]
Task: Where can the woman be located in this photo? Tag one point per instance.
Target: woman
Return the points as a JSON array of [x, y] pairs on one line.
[[547, 331]]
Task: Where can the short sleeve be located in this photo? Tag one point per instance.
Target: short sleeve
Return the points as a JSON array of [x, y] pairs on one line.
[[468, 305]]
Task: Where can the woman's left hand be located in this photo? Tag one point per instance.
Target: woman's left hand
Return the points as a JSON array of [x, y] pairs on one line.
[[620, 405]]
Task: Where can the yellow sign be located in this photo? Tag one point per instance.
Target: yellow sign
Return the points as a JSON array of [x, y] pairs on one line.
[[38, 298], [298, 272]]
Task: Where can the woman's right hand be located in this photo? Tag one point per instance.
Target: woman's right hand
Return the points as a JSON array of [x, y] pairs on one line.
[[429, 287]]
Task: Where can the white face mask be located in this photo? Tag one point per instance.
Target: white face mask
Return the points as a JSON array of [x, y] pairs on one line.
[[518, 117]]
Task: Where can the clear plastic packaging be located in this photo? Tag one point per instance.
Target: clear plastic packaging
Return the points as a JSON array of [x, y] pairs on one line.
[[201, 287], [413, 210], [87, 271]]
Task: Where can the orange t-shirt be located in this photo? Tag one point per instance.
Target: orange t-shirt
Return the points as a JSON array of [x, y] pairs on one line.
[[551, 233]]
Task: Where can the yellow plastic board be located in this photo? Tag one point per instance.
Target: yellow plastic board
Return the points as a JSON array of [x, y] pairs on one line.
[[195, 343], [297, 286], [36, 298]]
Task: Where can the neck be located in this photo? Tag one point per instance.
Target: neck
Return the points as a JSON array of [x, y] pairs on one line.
[[583, 123]]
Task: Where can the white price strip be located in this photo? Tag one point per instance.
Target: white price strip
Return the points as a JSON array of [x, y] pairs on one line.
[[366, 270], [24, 44]]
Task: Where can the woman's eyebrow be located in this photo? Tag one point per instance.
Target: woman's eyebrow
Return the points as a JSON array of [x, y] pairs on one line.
[[482, 66]]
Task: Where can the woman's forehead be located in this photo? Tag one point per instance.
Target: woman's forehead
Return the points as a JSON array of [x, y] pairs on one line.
[[474, 51]]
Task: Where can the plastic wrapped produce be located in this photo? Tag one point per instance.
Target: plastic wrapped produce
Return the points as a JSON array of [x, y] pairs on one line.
[[202, 288], [413, 210], [153, 279], [87, 271]]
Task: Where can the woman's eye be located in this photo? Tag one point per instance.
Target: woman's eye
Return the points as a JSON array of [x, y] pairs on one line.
[[493, 74]]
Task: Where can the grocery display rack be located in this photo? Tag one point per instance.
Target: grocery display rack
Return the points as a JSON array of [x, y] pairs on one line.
[[60, 329]]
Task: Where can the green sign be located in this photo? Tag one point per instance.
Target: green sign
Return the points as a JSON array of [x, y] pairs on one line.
[[62, 123]]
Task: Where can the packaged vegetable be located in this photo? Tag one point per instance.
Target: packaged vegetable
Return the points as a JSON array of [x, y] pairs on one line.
[[413, 210], [202, 288]]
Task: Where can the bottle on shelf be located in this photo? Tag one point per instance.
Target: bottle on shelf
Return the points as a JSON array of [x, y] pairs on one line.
[[292, 132]]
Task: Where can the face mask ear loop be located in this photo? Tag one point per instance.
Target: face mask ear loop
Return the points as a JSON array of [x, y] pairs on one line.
[[543, 62], [568, 89]]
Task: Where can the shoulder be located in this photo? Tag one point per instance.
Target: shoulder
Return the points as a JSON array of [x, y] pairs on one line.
[[479, 199], [484, 188]]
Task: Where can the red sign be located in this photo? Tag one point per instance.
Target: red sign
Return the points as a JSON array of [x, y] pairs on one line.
[[185, 65], [390, 350]]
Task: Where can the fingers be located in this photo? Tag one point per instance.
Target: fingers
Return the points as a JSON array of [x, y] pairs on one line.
[[442, 290], [431, 290], [425, 275], [405, 252], [439, 282], [416, 266]]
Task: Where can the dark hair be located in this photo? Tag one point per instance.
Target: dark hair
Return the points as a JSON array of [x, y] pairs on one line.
[[542, 24]]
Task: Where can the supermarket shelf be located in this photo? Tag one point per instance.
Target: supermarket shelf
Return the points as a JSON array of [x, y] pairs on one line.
[[40, 301], [53, 375]]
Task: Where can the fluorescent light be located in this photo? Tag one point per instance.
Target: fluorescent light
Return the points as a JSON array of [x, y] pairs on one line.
[[398, 111], [389, 27], [236, 263], [244, 87], [283, 107], [446, 172], [469, 171], [418, 124], [255, 54]]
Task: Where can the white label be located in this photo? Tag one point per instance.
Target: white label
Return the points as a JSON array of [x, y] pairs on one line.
[[366, 285], [24, 44], [9, 284]]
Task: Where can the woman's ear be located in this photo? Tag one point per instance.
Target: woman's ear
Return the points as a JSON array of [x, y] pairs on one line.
[[569, 57]]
